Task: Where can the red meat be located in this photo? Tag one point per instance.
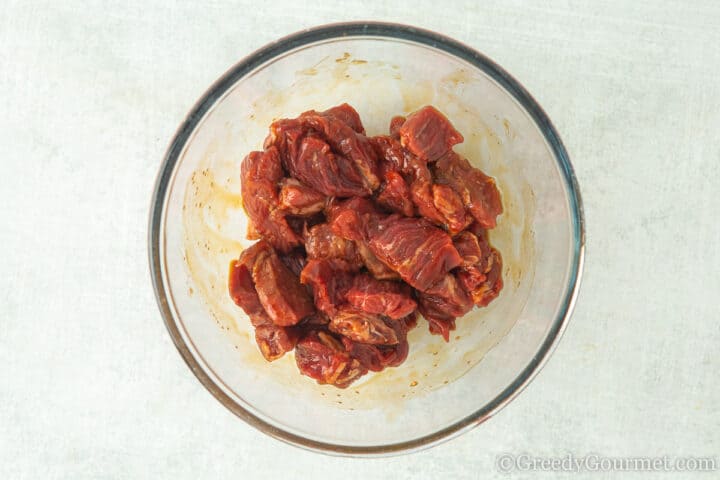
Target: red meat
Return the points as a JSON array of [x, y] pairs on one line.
[[343, 266], [363, 327], [427, 133], [391, 299], [377, 268], [488, 290], [317, 166], [394, 194], [468, 247], [450, 207], [348, 219], [322, 243], [377, 357], [241, 286], [321, 356], [476, 190], [285, 301], [274, 341], [295, 261], [447, 297], [421, 253], [346, 114], [260, 173], [329, 283], [347, 142], [391, 155], [299, 199], [395, 124]]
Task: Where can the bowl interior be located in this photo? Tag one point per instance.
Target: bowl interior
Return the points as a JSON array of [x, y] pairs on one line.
[[440, 385]]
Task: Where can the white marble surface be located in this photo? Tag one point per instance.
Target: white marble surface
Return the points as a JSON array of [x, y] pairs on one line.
[[90, 94]]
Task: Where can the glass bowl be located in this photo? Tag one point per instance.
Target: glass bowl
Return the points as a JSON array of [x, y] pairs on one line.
[[197, 226]]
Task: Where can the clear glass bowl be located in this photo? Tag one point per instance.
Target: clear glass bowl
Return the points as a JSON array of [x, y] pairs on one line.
[[197, 225]]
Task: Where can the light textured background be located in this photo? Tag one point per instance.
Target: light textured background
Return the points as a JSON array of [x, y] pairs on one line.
[[90, 94]]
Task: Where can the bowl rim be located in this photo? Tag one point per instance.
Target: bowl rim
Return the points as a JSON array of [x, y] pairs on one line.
[[388, 31]]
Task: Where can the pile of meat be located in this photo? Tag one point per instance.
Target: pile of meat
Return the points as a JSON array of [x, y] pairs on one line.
[[357, 235]]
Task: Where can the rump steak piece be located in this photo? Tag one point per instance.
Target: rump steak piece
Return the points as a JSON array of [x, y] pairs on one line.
[[321, 356], [327, 151], [382, 297], [260, 173], [348, 219], [428, 134], [347, 142], [282, 296], [242, 287], [363, 327], [421, 253], [476, 190], [274, 341], [377, 357], [299, 199], [322, 243], [346, 114], [408, 183], [329, 281]]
